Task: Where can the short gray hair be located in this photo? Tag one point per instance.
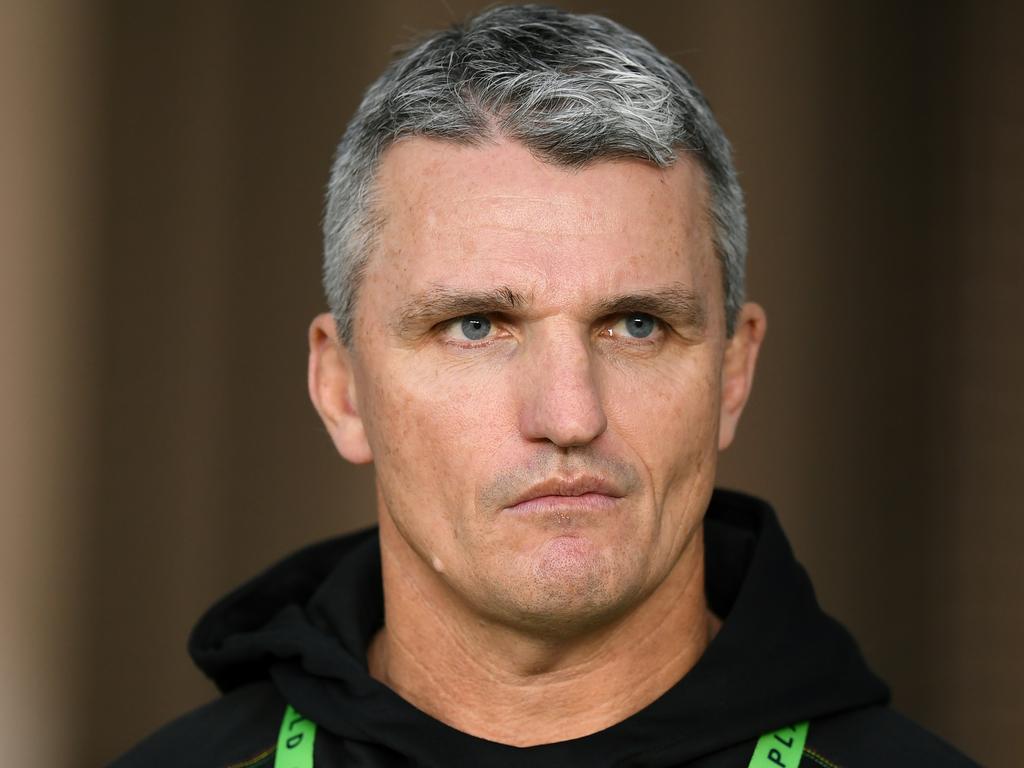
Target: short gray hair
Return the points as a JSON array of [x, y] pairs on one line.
[[571, 88]]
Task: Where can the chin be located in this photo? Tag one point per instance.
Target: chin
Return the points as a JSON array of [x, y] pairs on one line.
[[569, 586]]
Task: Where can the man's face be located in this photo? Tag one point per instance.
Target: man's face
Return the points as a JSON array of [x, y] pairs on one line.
[[537, 369]]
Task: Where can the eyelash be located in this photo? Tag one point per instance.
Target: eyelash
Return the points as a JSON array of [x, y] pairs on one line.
[[660, 327], [497, 320]]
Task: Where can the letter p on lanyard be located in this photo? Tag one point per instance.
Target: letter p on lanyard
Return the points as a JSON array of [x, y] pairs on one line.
[[780, 749]]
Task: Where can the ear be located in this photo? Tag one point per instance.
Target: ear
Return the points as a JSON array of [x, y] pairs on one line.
[[332, 389], [738, 365]]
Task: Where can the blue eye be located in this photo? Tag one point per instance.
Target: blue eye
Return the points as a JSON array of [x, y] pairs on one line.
[[639, 326], [475, 327]]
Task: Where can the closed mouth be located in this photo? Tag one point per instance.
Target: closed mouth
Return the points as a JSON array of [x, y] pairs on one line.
[[583, 492]]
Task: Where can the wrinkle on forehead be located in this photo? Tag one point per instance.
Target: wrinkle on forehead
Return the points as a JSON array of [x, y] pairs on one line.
[[533, 215], [474, 218], [422, 182]]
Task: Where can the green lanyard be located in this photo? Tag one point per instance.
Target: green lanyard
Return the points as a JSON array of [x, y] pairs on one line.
[[295, 741], [779, 749]]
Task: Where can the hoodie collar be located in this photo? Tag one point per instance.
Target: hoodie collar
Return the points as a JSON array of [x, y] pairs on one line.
[[778, 659]]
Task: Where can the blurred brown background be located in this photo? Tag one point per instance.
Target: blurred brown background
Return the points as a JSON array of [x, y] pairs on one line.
[[162, 168]]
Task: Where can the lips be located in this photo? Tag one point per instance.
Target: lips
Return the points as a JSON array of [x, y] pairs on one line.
[[581, 492]]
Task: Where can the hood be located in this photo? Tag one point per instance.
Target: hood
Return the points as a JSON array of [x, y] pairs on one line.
[[778, 659]]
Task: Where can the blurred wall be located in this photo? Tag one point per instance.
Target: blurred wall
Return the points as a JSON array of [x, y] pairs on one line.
[[47, 422], [162, 191]]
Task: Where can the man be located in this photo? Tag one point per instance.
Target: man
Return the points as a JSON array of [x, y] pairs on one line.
[[534, 253]]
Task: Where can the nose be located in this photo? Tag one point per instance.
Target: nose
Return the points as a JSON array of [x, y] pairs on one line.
[[560, 394]]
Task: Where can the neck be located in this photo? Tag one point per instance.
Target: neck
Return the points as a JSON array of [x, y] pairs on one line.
[[503, 685]]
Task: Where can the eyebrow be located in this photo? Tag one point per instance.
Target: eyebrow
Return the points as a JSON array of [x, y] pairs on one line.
[[440, 303], [675, 303]]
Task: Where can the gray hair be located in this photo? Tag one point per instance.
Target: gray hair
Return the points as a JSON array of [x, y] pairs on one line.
[[571, 88]]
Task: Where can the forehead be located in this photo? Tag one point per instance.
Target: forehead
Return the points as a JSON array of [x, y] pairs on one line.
[[465, 216]]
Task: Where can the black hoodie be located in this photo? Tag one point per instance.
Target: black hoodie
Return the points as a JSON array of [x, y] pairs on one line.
[[299, 634]]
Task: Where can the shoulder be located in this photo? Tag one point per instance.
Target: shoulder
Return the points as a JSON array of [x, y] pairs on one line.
[[877, 736], [237, 729]]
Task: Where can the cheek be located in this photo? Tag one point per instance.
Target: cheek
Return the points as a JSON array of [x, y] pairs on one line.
[[433, 437], [668, 414]]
